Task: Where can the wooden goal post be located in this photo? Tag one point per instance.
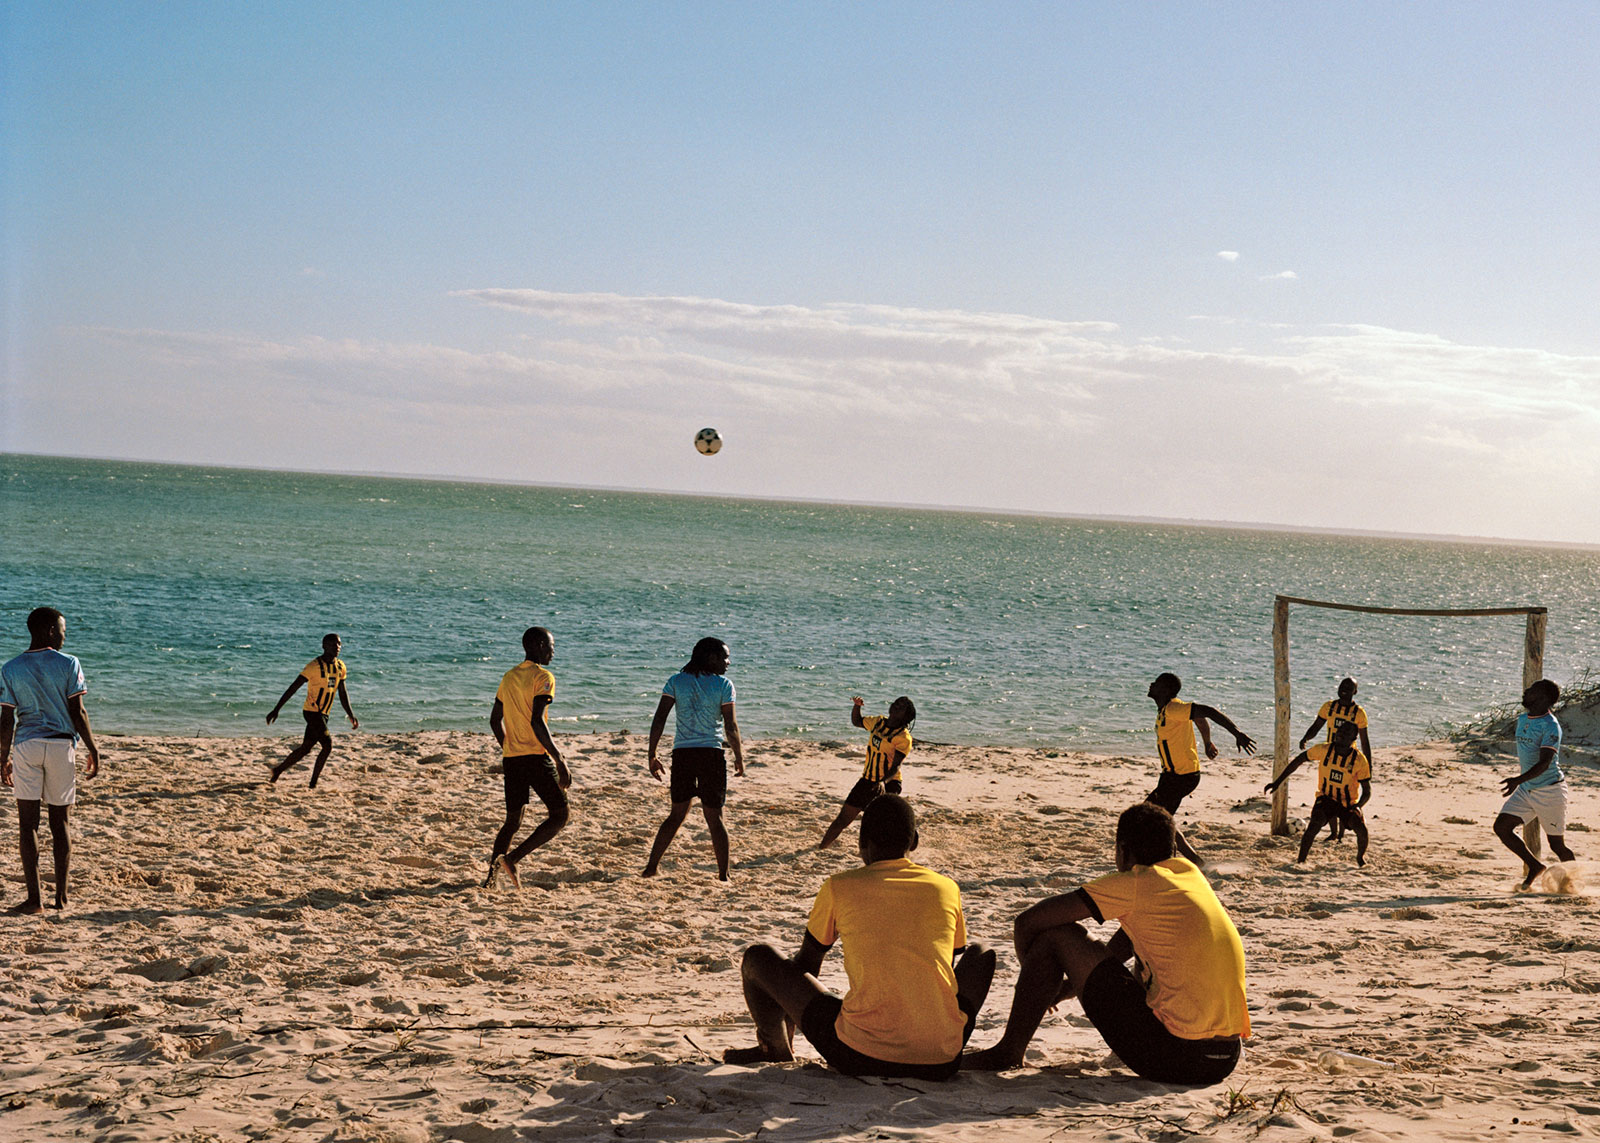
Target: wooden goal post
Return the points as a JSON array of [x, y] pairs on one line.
[[1532, 671]]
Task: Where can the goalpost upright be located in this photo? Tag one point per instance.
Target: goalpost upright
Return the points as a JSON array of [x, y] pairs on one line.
[[1532, 671]]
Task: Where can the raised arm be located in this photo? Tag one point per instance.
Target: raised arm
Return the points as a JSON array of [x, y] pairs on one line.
[[272, 715], [1243, 741], [731, 724], [1294, 764], [855, 710], [80, 722], [657, 725]]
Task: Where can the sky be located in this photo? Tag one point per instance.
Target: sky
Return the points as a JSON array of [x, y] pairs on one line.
[[1330, 265]]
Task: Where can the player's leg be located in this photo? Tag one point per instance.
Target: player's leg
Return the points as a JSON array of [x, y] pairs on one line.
[[664, 836], [1358, 826], [847, 814], [314, 732], [974, 974], [1558, 846], [325, 742], [1057, 965], [548, 786], [719, 837], [776, 991], [28, 848], [60, 850], [1505, 828], [1319, 818]]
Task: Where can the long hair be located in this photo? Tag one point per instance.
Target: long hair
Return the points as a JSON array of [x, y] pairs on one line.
[[700, 658]]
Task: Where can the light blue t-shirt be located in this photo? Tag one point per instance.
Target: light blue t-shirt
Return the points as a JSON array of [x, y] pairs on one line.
[[1533, 734], [700, 699], [39, 683]]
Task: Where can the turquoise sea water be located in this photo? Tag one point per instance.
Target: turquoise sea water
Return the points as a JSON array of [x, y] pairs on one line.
[[195, 595]]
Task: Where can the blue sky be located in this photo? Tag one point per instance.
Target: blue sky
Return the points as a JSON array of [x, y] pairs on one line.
[[1329, 265]]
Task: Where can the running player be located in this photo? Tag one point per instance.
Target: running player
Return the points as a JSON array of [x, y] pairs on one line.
[[42, 716], [704, 698], [888, 743], [323, 678], [1540, 791], [1176, 723], [529, 758], [1334, 714], [1343, 774]]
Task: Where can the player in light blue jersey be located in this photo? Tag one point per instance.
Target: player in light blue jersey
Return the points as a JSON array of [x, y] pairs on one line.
[[1539, 792]]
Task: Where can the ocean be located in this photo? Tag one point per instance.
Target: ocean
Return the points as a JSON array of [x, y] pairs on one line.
[[195, 595]]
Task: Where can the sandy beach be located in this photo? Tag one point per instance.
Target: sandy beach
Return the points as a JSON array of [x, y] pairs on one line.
[[248, 961]]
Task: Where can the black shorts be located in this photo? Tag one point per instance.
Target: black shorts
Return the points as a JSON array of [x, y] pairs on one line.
[[1333, 810], [1172, 788], [817, 1025], [1115, 1003], [535, 772], [700, 772], [316, 725], [862, 793]]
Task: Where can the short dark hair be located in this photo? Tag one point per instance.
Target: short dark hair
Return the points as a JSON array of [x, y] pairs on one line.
[[330, 635], [1347, 684], [1146, 834], [532, 637], [700, 658], [1545, 685], [42, 622], [911, 708], [1347, 729], [889, 824], [1168, 679]]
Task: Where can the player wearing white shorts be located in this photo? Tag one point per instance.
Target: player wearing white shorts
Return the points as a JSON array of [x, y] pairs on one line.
[[41, 718], [1539, 792]]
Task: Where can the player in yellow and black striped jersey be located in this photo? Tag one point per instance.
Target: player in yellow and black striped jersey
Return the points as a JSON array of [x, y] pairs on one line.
[[1333, 715], [323, 679], [1344, 783], [888, 743], [1176, 723]]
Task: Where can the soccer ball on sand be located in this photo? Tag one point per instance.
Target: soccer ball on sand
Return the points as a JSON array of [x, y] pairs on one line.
[[708, 441]]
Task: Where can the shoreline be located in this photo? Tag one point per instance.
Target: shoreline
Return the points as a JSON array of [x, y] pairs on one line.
[[250, 961]]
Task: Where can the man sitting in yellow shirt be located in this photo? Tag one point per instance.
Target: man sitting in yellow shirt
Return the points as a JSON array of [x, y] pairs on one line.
[[915, 984], [1181, 1019]]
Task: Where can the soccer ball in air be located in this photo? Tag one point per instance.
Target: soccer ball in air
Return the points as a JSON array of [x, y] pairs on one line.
[[708, 441]]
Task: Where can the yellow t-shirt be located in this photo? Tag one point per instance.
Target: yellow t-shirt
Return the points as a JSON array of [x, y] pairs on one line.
[[1339, 776], [1175, 738], [882, 744], [322, 684], [901, 925], [518, 688], [1190, 956], [1337, 713]]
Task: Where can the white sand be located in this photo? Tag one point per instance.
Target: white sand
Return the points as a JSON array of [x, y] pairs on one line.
[[244, 961]]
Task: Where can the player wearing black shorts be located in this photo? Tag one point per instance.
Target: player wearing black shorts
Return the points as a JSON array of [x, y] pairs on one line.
[[1343, 775], [323, 678], [530, 761], [1176, 723], [888, 743], [1180, 1016]]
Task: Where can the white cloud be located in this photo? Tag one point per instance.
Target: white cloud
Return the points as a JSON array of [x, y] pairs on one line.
[[1280, 276], [1228, 255]]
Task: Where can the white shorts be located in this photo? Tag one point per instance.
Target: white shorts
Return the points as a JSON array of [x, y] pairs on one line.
[[45, 770], [1547, 803]]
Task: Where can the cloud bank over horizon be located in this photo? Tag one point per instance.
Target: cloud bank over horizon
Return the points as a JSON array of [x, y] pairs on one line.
[[1337, 426]]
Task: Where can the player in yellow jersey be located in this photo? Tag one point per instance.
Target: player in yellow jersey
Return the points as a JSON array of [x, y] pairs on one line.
[[888, 743], [1334, 714], [323, 678], [1176, 723], [529, 758], [1344, 783]]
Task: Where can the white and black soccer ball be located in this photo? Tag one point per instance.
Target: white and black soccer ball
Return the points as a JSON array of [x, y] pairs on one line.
[[708, 441]]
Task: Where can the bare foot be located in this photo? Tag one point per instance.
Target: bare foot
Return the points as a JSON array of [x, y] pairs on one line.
[[1533, 875], [508, 871], [649, 871], [27, 908], [990, 1060], [756, 1055]]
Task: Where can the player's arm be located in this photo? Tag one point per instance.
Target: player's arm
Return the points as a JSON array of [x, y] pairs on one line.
[[1243, 741], [497, 722], [1366, 745], [1051, 913], [657, 725], [1547, 755], [1204, 728], [809, 958], [1316, 725], [8, 731], [542, 733], [732, 726], [1366, 792], [80, 722], [855, 710], [344, 701], [272, 715], [1120, 946], [1294, 764]]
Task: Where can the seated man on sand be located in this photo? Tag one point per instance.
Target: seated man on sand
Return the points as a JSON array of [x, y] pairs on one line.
[[1181, 1019], [915, 985]]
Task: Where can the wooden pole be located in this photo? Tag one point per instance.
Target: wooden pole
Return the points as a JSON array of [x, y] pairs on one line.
[[1532, 672], [1281, 713]]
